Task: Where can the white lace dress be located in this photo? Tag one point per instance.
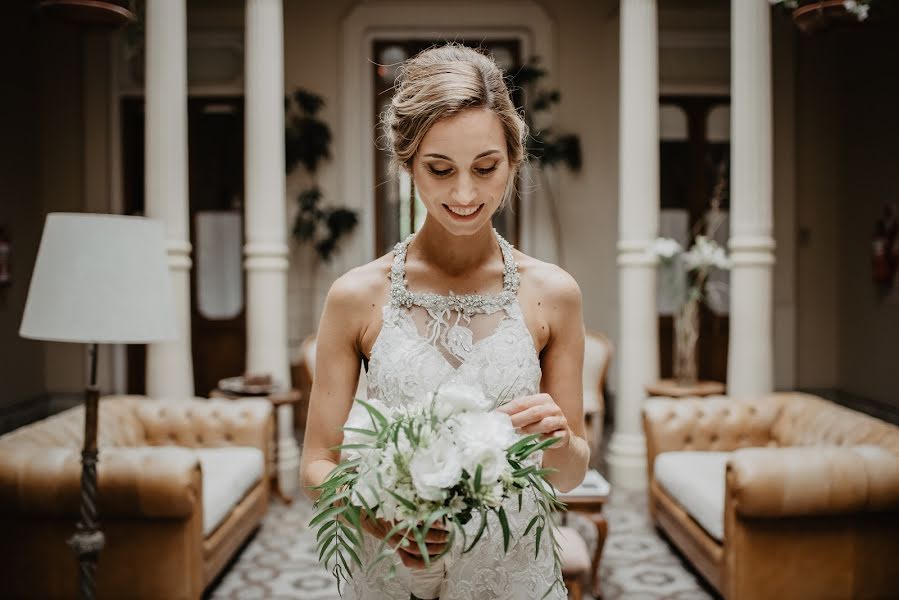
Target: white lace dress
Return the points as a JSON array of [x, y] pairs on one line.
[[429, 339]]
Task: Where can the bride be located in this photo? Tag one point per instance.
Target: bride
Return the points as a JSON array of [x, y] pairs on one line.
[[456, 303]]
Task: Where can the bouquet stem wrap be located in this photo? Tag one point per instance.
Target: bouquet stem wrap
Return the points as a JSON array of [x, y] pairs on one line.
[[426, 584]]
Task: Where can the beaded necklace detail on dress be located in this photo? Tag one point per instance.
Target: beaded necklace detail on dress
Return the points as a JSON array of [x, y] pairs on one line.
[[452, 332]]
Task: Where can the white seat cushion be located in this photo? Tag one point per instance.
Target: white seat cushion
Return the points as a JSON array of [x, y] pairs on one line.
[[696, 481], [573, 552], [228, 474]]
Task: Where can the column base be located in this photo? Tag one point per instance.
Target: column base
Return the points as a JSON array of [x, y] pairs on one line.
[[288, 464], [627, 460]]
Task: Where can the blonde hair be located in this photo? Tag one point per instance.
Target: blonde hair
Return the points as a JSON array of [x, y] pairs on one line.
[[441, 82]]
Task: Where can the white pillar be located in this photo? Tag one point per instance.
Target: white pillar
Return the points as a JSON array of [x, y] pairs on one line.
[[266, 222], [638, 224], [169, 364], [750, 355]]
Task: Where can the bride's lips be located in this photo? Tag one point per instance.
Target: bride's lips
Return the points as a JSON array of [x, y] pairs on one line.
[[458, 217]]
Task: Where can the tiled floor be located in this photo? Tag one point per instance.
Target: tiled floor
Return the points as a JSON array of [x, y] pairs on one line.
[[280, 562]]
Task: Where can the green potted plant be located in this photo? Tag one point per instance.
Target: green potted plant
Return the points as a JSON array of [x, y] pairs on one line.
[[307, 142]]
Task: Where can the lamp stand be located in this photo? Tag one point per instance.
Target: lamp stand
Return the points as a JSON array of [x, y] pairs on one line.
[[88, 539]]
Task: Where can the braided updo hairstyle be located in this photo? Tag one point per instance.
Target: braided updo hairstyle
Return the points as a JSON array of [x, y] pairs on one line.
[[441, 82]]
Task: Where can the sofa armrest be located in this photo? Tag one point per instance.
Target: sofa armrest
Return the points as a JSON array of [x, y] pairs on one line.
[[131, 482], [785, 482], [716, 423], [207, 423]]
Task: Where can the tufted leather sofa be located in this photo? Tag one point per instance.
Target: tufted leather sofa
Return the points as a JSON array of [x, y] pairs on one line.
[[810, 505], [152, 492]]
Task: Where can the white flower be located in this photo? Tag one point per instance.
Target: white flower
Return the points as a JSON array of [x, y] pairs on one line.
[[435, 468], [454, 398], [491, 430], [665, 248], [706, 253], [491, 459]]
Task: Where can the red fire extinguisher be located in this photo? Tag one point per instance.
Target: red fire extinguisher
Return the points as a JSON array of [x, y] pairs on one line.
[[5, 270]]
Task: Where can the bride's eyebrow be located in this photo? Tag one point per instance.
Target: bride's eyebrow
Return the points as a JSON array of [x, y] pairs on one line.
[[444, 157]]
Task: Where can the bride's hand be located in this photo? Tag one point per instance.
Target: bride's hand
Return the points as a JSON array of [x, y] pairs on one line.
[[539, 414], [410, 554]]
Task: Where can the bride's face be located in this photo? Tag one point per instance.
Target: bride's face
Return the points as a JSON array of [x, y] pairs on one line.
[[461, 169]]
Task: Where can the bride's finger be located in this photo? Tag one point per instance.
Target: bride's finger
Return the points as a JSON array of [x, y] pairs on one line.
[[545, 425], [533, 415]]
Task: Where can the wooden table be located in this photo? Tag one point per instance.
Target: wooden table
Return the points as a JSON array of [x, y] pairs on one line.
[[591, 507], [670, 387], [282, 434]]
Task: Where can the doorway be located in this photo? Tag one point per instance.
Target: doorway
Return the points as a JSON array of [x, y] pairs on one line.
[[215, 188]]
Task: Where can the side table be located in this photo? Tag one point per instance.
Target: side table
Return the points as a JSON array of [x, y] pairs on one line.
[[284, 441], [588, 499], [670, 388]]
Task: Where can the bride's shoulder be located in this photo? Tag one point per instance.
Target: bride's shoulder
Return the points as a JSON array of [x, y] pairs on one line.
[[546, 280], [360, 285]]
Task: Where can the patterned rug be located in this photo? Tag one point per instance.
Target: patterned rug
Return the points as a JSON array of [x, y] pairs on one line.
[[280, 561]]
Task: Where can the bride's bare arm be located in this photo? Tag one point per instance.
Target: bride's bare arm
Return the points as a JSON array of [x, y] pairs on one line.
[[337, 361]]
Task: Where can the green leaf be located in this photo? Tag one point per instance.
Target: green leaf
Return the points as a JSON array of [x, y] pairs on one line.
[[405, 502], [539, 533], [531, 524], [349, 534], [480, 532], [328, 544], [326, 514], [354, 556], [504, 522], [477, 480], [375, 414], [324, 528], [540, 446], [514, 448], [420, 540], [369, 432], [524, 471]]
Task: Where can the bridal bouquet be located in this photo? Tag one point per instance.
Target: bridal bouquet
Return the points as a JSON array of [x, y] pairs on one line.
[[442, 461]]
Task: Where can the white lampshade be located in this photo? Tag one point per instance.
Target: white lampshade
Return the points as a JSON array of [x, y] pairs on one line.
[[100, 279]]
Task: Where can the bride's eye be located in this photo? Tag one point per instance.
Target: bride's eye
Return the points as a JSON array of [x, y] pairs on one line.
[[439, 172], [486, 170]]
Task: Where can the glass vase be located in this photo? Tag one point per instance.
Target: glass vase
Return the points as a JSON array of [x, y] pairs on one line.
[[686, 335]]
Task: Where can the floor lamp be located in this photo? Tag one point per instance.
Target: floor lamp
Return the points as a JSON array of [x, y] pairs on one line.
[[98, 279]]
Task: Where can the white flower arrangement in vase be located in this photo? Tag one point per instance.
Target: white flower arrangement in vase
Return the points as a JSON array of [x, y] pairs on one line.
[[692, 268]]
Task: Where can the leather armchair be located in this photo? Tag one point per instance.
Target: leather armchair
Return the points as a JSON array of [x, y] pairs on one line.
[[811, 495], [151, 499]]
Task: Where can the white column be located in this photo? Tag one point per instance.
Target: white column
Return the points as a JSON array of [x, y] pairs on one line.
[[638, 223], [169, 364], [750, 355], [266, 226]]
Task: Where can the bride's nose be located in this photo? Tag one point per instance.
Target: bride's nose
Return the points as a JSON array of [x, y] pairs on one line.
[[464, 192]]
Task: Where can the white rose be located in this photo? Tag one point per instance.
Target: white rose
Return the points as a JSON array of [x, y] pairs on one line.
[[492, 460], [455, 398], [435, 468], [493, 429]]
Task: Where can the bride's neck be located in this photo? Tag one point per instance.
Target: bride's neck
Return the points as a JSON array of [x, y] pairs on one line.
[[454, 254]]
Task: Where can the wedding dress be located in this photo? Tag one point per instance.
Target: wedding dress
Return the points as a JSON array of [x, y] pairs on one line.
[[428, 339]]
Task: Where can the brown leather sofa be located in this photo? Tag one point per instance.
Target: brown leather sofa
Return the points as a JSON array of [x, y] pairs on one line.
[[810, 505], [181, 486]]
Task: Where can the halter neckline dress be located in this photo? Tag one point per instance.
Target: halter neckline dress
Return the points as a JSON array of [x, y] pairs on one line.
[[429, 339]]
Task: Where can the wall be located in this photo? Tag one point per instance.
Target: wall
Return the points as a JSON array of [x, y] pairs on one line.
[[22, 362], [847, 148]]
